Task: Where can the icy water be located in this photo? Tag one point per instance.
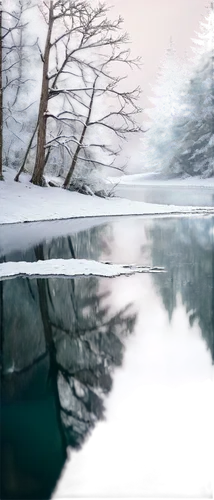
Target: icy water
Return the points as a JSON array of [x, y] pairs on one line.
[[169, 195], [107, 384]]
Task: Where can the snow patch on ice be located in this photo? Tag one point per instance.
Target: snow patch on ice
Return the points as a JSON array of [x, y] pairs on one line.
[[67, 268]]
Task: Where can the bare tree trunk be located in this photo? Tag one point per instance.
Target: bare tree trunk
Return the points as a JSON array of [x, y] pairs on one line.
[[22, 167], [19, 50], [16, 178], [37, 176], [1, 103], [78, 148]]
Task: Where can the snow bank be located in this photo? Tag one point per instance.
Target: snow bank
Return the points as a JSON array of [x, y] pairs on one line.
[[69, 268], [24, 202], [158, 180]]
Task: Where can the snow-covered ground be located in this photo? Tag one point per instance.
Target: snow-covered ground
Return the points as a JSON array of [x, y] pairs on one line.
[[157, 179], [68, 268], [24, 202]]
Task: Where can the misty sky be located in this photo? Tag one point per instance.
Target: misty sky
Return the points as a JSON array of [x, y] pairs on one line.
[[150, 24]]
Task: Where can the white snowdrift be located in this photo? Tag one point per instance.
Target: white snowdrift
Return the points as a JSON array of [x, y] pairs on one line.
[[24, 202], [69, 268]]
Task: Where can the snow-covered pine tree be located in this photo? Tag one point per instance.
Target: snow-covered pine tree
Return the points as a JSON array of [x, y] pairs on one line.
[[172, 166], [195, 148], [160, 142]]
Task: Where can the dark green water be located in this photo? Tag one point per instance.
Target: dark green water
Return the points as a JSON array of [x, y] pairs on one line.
[[59, 345], [63, 339]]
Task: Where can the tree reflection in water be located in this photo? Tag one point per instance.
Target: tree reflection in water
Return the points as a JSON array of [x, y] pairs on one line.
[[60, 344], [189, 261]]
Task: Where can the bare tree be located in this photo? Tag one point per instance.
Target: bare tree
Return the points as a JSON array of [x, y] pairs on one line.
[[84, 31], [59, 10], [21, 169], [20, 54], [6, 30], [42, 117], [119, 121], [16, 110]]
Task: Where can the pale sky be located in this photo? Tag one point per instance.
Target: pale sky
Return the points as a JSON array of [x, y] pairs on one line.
[[150, 24]]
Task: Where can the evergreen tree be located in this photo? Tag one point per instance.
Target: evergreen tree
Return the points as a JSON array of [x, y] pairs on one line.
[[172, 163], [195, 144], [159, 136]]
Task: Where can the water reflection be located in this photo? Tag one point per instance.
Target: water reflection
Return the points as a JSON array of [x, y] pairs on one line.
[[189, 261], [168, 194], [159, 350], [60, 344], [61, 340], [172, 342], [59, 239]]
